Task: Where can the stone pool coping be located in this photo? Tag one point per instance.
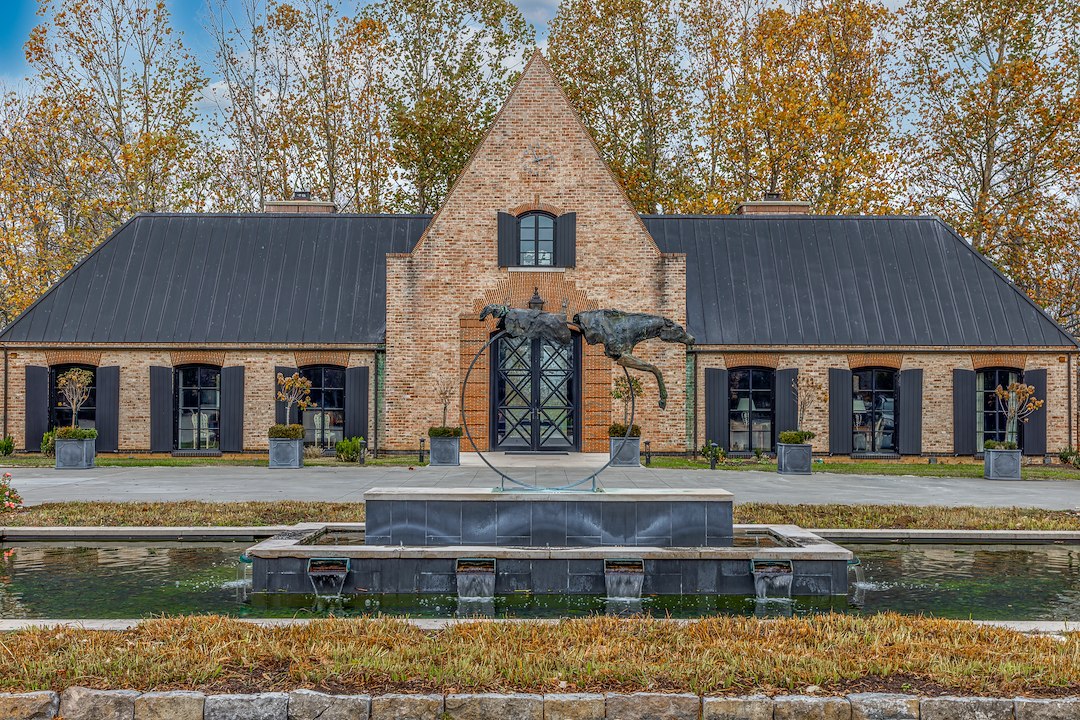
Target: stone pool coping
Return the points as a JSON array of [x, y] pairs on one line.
[[494, 494], [808, 546], [78, 703], [254, 533]]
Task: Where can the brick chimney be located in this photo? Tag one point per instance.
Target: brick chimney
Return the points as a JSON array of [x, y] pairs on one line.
[[772, 204], [301, 203]]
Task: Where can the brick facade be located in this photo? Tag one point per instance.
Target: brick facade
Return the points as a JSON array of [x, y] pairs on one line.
[[454, 271]]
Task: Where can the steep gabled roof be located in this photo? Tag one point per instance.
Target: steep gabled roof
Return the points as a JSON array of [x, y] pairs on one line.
[[846, 281], [209, 279]]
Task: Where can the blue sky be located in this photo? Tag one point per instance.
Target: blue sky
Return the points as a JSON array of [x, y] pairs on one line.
[[19, 17]]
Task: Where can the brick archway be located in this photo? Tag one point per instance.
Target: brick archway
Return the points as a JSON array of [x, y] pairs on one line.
[[595, 369]]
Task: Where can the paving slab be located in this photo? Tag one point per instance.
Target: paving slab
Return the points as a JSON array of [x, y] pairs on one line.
[[348, 484]]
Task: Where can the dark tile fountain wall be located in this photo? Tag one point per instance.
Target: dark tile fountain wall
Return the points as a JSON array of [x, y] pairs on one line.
[[549, 523]]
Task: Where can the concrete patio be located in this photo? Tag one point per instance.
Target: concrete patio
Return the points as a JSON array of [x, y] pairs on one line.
[[39, 485]]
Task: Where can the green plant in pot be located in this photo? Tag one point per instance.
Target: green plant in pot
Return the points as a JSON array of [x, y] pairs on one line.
[[1001, 458], [445, 439], [625, 451], [287, 440], [794, 453], [75, 447]]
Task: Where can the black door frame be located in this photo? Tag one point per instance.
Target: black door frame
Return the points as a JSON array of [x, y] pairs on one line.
[[493, 398]]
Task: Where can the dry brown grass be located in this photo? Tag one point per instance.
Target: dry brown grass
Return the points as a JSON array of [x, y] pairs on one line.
[[172, 514], [207, 514], [907, 517], [721, 655]]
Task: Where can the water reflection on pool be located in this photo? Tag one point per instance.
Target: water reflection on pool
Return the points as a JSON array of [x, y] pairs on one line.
[[125, 580]]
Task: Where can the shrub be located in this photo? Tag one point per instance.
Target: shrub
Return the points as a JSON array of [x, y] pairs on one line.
[[7, 445], [1067, 455], [795, 437], [1001, 445], [75, 433], [286, 432], [48, 443], [348, 450], [617, 430], [711, 452], [443, 431], [312, 451], [10, 500]]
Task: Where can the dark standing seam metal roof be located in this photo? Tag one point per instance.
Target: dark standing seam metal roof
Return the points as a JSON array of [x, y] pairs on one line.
[[321, 279], [845, 281], [265, 278]]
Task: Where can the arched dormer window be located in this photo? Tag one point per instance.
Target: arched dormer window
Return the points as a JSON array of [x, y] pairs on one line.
[[536, 240]]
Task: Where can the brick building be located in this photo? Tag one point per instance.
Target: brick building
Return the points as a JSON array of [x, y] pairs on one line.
[[186, 319]]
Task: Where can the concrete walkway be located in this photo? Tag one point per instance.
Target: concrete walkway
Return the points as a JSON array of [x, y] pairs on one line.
[[39, 485]]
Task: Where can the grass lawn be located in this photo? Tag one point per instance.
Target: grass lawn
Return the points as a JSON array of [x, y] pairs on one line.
[[246, 460], [838, 653], [870, 467], [206, 514]]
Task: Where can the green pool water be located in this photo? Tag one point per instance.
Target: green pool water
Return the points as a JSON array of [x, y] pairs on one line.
[[130, 580]]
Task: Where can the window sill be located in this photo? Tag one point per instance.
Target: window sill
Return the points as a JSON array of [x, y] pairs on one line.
[[536, 268]]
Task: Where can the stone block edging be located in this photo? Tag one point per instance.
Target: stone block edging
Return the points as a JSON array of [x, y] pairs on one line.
[[77, 703]]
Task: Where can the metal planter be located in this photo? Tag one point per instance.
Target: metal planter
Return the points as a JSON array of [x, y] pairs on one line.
[[445, 451], [794, 459], [628, 455], [286, 453], [1001, 464], [75, 454]]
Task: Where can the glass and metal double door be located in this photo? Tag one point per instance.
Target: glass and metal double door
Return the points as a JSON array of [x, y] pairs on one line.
[[535, 395]]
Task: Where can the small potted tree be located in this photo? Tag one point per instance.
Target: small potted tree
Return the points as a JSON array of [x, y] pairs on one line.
[[1001, 459], [75, 446], [445, 440], [625, 451], [287, 441], [794, 453]]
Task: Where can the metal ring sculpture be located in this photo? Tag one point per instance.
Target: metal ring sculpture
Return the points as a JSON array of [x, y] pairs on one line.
[[520, 484]]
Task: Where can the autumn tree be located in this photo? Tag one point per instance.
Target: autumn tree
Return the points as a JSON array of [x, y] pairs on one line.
[[453, 63], [120, 67], [995, 138], [621, 65], [794, 101]]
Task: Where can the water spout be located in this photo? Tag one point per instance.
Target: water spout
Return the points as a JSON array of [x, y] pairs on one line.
[[327, 576], [623, 578], [772, 579], [475, 580]]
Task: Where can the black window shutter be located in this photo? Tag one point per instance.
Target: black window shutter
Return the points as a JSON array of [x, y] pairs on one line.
[[161, 409], [37, 405], [279, 406], [508, 231], [232, 408], [963, 413], [908, 413], [107, 412], [1034, 432], [356, 403], [566, 240], [840, 408], [787, 405], [716, 407]]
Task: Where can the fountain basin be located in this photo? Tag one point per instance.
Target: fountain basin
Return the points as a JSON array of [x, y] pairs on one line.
[[819, 567]]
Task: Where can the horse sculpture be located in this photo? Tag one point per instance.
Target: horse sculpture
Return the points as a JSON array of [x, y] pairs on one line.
[[619, 332]]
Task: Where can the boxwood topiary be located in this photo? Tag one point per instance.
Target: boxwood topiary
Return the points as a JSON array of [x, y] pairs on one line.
[[617, 430], [796, 437], [1000, 445], [443, 431], [75, 433], [286, 432]]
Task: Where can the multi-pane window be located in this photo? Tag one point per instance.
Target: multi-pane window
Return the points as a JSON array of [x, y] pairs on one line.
[[59, 410], [991, 420], [751, 395], [536, 240], [198, 407], [873, 410], [324, 421]]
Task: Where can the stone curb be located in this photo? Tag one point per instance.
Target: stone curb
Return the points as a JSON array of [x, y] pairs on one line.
[[77, 703]]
